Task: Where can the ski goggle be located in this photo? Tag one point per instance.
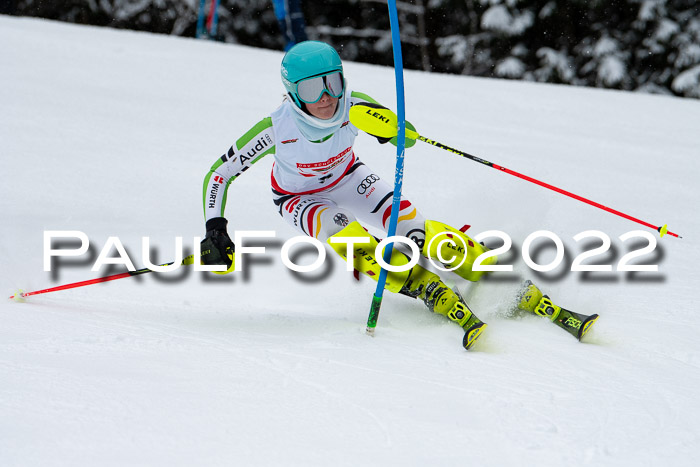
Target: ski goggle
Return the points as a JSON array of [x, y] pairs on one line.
[[310, 90]]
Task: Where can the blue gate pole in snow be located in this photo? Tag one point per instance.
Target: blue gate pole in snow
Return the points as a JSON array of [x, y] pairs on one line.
[[398, 177]]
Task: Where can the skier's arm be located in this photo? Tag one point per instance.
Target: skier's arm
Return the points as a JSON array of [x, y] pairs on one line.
[[259, 141], [360, 97]]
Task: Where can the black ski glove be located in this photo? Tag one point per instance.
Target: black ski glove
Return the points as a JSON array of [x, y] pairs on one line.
[[217, 247]]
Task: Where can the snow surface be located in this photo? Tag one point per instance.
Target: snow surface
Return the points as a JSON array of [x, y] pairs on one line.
[[111, 133]]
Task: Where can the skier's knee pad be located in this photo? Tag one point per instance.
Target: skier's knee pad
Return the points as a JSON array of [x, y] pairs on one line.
[[363, 250], [454, 249]]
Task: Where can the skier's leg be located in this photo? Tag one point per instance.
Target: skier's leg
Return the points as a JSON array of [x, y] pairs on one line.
[[322, 218], [331, 214], [312, 215], [416, 282]]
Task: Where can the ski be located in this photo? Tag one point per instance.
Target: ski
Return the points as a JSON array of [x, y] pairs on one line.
[[472, 333], [577, 324]]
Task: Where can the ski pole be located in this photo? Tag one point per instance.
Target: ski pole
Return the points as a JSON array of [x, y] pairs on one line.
[[19, 295], [380, 121]]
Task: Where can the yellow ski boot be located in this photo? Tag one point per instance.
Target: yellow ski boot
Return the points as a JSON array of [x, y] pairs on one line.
[[439, 298]]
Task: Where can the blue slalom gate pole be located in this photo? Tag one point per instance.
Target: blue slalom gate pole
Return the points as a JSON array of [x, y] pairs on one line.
[[200, 19], [398, 176]]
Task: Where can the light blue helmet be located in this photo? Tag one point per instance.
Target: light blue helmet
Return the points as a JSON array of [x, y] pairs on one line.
[[307, 59]]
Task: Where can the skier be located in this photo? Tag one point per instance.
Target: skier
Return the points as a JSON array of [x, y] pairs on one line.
[[322, 189]]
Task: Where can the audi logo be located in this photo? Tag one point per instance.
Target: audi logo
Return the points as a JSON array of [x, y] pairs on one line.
[[366, 183]]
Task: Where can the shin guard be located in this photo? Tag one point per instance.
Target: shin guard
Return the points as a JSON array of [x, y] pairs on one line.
[[454, 249], [363, 255]]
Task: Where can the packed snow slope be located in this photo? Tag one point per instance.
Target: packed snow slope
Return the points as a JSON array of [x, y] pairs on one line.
[[111, 132]]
